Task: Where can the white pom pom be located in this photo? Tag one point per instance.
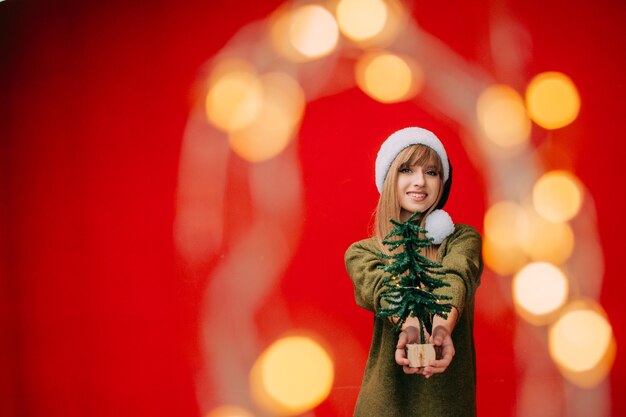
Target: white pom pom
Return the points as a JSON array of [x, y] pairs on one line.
[[438, 226]]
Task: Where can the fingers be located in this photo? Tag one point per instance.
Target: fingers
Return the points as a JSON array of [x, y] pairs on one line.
[[410, 334], [439, 338], [412, 371], [401, 358], [403, 339], [438, 366]]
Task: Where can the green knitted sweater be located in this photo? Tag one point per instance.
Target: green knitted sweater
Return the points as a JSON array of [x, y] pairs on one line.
[[386, 390]]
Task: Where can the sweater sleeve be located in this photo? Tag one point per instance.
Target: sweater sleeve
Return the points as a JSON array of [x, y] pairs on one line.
[[462, 262], [362, 263]]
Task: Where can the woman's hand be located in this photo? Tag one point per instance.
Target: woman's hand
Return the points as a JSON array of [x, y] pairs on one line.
[[441, 337], [410, 334]]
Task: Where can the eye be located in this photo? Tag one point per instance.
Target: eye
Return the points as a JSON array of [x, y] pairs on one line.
[[405, 170], [432, 173]]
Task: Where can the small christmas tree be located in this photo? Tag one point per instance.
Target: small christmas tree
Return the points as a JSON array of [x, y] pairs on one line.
[[411, 278]]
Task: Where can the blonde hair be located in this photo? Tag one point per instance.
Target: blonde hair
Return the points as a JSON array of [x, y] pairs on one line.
[[389, 202]]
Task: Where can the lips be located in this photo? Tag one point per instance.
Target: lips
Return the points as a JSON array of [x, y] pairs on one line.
[[416, 195]]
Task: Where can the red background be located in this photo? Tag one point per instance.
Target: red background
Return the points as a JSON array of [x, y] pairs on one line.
[[98, 315]]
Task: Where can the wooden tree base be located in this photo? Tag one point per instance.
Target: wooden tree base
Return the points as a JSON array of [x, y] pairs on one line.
[[420, 355]]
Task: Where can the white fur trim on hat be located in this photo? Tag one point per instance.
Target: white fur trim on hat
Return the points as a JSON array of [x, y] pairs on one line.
[[438, 225], [404, 138]]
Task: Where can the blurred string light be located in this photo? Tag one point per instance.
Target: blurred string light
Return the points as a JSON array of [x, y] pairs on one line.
[[539, 290], [546, 241], [272, 128], [557, 196], [503, 224], [291, 376], [234, 95], [388, 78], [582, 343], [256, 96], [313, 31], [303, 33], [360, 20], [230, 411], [502, 116], [552, 100]]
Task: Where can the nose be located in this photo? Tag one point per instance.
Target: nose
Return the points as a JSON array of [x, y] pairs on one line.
[[419, 178]]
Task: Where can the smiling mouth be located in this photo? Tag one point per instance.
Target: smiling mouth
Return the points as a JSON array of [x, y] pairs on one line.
[[417, 196]]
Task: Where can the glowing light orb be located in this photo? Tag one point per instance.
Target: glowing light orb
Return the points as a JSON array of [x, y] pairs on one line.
[[582, 344], [503, 258], [552, 100], [502, 116], [539, 289], [361, 19], [503, 220], [313, 31], [557, 196], [389, 78], [234, 97], [230, 411], [501, 248], [547, 241], [271, 131], [294, 374]]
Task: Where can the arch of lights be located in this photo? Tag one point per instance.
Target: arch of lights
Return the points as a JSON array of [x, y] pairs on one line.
[[538, 227]]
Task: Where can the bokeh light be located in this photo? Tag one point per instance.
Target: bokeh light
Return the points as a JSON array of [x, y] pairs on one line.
[[313, 31], [389, 78], [502, 116], [501, 249], [546, 241], [557, 196], [280, 112], [293, 375], [539, 290], [503, 258], [503, 220], [582, 343], [230, 411], [234, 96], [361, 19], [552, 100], [260, 126]]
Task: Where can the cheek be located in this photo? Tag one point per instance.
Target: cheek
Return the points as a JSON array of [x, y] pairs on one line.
[[435, 182]]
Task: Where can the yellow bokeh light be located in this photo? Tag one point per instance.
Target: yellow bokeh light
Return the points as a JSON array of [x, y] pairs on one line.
[[539, 290], [234, 96], [546, 241], [271, 131], [361, 19], [502, 221], [230, 411], [502, 116], [313, 31], [389, 78], [557, 196], [503, 258], [552, 100], [582, 344], [501, 248], [293, 375]]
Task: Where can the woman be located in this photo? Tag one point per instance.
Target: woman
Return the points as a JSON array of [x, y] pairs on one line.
[[413, 173]]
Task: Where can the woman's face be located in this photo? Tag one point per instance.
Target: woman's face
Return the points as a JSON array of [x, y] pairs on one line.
[[418, 188]]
